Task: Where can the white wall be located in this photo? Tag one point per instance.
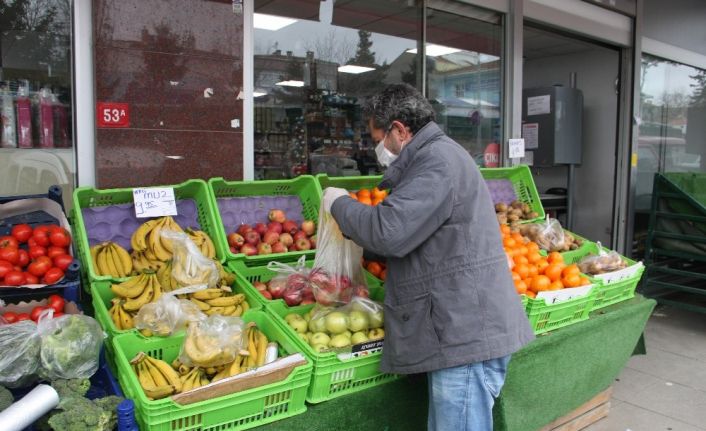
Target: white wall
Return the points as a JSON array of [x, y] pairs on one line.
[[596, 71]]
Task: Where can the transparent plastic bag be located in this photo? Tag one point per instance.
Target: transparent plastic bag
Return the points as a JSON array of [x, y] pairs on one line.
[[19, 356], [189, 266], [213, 341], [291, 282], [337, 275], [169, 314], [549, 234], [360, 321], [602, 262], [70, 346]]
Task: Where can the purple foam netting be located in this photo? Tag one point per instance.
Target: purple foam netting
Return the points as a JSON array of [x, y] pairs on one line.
[[117, 222], [254, 209], [501, 191]]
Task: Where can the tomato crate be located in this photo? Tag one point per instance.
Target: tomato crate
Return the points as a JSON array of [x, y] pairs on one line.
[[237, 411], [352, 184], [249, 202], [616, 286], [332, 376], [102, 295], [508, 184], [545, 317], [109, 215]]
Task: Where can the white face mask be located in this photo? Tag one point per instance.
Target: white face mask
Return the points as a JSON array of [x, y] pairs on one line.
[[385, 156]]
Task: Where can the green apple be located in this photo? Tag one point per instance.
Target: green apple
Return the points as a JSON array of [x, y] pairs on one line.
[[291, 316], [299, 325], [319, 338], [376, 319], [359, 337], [339, 341], [358, 321], [304, 337], [318, 348], [336, 322], [376, 334], [317, 325]]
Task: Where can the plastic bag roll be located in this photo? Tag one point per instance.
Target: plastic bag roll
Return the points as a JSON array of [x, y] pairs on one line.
[[29, 409]]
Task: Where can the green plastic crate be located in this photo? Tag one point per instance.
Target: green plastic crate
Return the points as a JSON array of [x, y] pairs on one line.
[[615, 287], [86, 197], [333, 377], [573, 255], [238, 411], [349, 183], [523, 183], [547, 317], [304, 186], [101, 295]]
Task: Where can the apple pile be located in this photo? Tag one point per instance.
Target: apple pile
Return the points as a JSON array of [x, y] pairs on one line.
[[299, 288], [279, 235], [338, 328]]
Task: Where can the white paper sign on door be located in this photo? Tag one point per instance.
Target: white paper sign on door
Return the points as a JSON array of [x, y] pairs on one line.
[[530, 133], [517, 148], [154, 202], [538, 105]]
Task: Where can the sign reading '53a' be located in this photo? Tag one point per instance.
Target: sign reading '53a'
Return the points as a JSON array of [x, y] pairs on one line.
[[112, 114]]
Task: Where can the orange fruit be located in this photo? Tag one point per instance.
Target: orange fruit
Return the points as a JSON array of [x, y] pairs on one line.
[[353, 195], [522, 250], [365, 200], [532, 246], [572, 269], [377, 193], [504, 229], [509, 242], [540, 283], [533, 256], [553, 271], [542, 265], [518, 238], [520, 287], [374, 268], [376, 201], [522, 270], [572, 280], [556, 285], [383, 274], [533, 271], [531, 294], [515, 277], [584, 281], [364, 193], [518, 259], [555, 257]]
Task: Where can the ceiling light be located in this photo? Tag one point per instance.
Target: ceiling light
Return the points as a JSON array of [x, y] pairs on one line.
[[436, 50], [349, 68], [259, 93], [271, 22], [290, 83]]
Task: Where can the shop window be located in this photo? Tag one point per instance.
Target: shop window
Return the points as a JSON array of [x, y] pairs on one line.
[[35, 97]]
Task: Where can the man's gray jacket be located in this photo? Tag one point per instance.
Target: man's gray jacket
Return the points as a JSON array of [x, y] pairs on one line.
[[449, 296]]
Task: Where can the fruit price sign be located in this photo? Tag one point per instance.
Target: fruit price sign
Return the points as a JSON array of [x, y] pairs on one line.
[[113, 115], [554, 296], [154, 202], [363, 349]]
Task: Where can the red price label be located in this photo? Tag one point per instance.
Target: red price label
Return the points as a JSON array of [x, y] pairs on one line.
[[111, 114]]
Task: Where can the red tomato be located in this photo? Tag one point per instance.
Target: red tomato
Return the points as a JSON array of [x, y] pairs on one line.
[[24, 258], [5, 267], [60, 238], [31, 242], [55, 251], [37, 251], [53, 275], [21, 232], [31, 279], [63, 261], [41, 237], [8, 241], [10, 254], [15, 278], [39, 267], [42, 229], [58, 314], [57, 303], [36, 311], [10, 317], [23, 316]]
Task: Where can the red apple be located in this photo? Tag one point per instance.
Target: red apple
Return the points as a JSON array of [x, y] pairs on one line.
[[260, 228], [286, 239], [290, 226], [266, 294], [252, 237], [270, 237], [236, 240], [278, 247], [264, 248], [309, 227], [260, 286], [299, 235], [248, 249], [274, 226], [234, 250], [303, 244], [243, 228], [277, 215], [313, 240], [307, 301]]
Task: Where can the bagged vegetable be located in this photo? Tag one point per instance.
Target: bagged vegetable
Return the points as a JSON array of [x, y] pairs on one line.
[[70, 346], [291, 282], [603, 262], [169, 314], [189, 266], [213, 341], [19, 356], [549, 235], [337, 275], [359, 321]]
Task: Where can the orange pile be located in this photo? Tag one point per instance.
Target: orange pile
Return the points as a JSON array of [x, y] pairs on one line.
[[369, 196], [534, 273], [378, 269]]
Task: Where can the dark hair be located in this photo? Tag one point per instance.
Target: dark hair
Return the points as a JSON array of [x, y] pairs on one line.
[[399, 102]]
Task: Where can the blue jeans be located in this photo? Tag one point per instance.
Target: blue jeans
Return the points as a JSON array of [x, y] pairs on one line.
[[461, 398]]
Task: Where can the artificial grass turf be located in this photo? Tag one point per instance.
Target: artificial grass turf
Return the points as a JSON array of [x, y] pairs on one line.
[[547, 379]]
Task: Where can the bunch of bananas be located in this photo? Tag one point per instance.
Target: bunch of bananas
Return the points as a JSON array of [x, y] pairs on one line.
[[131, 295], [110, 259], [157, 378], [216, 301], [203, 242], [148, 238]]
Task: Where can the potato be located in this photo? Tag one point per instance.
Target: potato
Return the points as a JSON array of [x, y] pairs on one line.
[[502, 218], [526, 208], [500, 207], [513, 217], [516, 204]]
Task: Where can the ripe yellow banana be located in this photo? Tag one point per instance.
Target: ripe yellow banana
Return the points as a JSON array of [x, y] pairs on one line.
[[225, 301], [202, 305], [138, 241], [252, 348], [135, 304], [157, 376], [155, 243], [159, 392], [197, 356], [207, 294], [144, 376], [124, 257], [94, 258], [262, 342], [234, 368], [126, 320], [115, 316], [245, 307], [168, 373], [130, 288]]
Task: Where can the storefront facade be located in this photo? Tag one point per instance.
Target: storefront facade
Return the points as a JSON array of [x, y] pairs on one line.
[[162, 91]]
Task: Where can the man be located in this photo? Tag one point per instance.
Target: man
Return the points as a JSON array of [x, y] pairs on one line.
[[451, 309]]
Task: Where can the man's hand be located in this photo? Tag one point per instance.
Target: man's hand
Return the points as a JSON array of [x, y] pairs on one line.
[[330, 195]]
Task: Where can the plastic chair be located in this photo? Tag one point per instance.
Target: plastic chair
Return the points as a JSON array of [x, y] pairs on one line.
[[31, 170]]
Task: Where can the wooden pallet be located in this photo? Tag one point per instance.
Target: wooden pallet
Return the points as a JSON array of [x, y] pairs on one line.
[[592, 411]]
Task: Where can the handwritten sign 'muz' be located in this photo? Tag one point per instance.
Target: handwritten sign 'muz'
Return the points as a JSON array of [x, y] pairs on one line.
[[154, 202]]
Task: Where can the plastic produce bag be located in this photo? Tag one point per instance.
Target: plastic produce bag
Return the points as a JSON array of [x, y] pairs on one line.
[[337, 275], [189, 266], [169, 314], [70, 346], [549, 234], [19, 356], [213, 341], [359, 321], [291, 282], [603, 262]]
